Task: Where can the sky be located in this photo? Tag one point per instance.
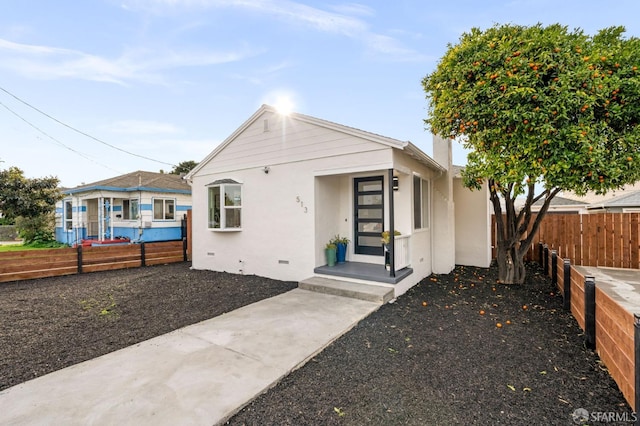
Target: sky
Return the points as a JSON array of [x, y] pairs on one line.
[[97, 88]]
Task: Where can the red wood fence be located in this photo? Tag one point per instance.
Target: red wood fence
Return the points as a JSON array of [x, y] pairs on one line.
[[605, 239], [614, 326], [28, 264]]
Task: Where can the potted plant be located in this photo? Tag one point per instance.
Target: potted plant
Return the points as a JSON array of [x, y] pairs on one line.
[[330, 253], [386, 239], [341, 247]]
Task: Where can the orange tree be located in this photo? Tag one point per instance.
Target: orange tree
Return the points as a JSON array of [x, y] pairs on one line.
[[542, 110]]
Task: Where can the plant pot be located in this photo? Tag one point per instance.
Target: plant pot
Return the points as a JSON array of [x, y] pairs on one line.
[[331, 256], [341, 252]]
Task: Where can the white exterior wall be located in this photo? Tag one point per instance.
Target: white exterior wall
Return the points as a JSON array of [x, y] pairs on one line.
[[473, 225], [290, 213], [444, 258]]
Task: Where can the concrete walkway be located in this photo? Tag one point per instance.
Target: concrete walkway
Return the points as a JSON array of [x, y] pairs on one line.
[[198, 375]]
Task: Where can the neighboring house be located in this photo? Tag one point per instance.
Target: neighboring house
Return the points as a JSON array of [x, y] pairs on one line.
[[626, 203], [562, 205], [140, 206], [268, 199]]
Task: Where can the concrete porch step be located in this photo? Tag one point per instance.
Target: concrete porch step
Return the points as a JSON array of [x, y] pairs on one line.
[[368, 292]]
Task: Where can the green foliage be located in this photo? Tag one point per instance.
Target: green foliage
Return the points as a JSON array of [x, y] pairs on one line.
[[183, 167], [29, 198], [36, 231], [541, 104]]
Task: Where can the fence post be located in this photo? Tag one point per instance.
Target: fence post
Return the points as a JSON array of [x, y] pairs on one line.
[[143, 259], [540, 253], [567, 285], [184, 249], [554, 269], [590, 312], [636, 342], [79, 250], [545, 260]]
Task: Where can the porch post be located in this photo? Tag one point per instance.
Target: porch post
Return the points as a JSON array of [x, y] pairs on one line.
[[392, 237], [111, 218], [100, 219]]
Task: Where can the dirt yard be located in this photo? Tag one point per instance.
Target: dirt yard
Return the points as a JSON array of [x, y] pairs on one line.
[[434, 357]]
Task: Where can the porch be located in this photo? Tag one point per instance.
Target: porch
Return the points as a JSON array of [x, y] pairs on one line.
[[364, 271]]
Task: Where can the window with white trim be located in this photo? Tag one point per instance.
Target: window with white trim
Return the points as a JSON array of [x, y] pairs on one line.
[[164, 209], [225, 205], [68, 215], [420, 203], [130, 209]]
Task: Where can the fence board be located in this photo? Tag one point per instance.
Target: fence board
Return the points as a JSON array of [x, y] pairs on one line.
[[29, 264], [606, 239]]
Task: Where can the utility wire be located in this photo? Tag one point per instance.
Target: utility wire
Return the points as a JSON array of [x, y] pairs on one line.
[[80, 131], [56, 140]]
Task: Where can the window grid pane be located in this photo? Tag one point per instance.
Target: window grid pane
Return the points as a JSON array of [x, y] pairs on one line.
[[158, 206], [169, 209]]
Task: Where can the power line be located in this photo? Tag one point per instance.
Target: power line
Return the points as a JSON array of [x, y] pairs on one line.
[[56, 140], [80, 131]]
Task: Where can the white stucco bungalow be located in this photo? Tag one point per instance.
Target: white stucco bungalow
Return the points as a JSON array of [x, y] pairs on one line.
[[268, 199]]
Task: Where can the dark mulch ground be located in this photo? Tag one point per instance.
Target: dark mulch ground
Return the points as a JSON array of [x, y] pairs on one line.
[[52, 323], [446, 364], [443, 363]]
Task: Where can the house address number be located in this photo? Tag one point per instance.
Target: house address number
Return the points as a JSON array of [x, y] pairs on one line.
[[299, 201]]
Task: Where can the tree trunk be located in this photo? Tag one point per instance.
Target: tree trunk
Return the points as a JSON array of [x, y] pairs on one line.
[[510, 266]]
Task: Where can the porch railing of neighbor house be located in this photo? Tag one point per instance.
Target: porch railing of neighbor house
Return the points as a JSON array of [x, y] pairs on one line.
[[402, 256]]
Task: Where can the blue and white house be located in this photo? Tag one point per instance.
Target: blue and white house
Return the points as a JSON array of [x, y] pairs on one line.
[[139, 206]]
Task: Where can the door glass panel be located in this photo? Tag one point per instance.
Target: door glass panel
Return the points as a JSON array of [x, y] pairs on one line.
[[370, 186], [370, 227], [370, 213], [369, 241], [368, 200]]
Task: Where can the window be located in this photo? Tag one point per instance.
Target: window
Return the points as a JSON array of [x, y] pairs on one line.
[[225, 205], [163, 209], [68, 216], [420, 203], [130, 209]]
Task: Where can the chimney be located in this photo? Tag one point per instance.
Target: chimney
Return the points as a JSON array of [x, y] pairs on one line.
[[442, 151]]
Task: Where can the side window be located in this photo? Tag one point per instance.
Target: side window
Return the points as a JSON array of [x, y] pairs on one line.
[[130, 209], [68, 215], [420, 203], [163, 209], [225, 206]]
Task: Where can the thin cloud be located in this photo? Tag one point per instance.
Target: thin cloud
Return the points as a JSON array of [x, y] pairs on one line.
[[344, 20], [47, 62]]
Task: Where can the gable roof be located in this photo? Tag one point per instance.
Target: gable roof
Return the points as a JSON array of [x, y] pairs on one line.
[[628, 200], [137, 181], [406, 146], [561, 201]]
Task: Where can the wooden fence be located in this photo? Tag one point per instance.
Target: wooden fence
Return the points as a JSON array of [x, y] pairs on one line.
[[605, 239], [28, 264], [612, 326]]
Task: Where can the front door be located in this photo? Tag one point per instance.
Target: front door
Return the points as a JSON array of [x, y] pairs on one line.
[[368, 209]]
